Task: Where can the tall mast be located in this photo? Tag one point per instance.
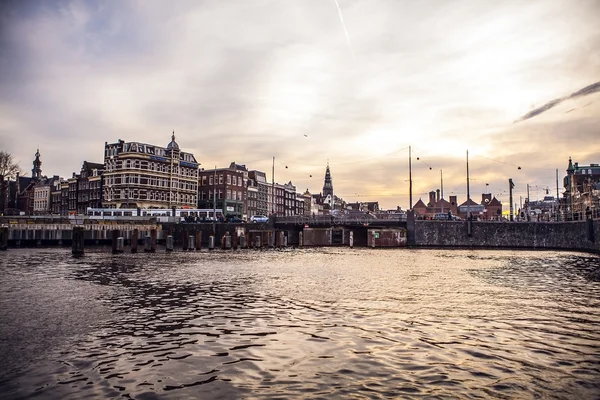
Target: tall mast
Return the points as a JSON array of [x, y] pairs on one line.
[[410, 205]]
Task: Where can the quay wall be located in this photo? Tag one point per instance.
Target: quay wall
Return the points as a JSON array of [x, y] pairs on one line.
[[575, 235]]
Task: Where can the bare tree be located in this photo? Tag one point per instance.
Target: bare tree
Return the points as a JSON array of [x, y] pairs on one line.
[[8, 167]]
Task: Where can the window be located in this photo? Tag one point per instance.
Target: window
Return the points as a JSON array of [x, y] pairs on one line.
[[229, 179], [229, 194], [204, 181], [234, 180], [220, 179], [210, 180]]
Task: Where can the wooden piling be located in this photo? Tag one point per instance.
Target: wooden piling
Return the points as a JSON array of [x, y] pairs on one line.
[[4, 238], [199, 240], [120, 244], [184, 240], [77, 247], [235, 240], [257, 242], [170, 243], [114, 237], [300, 239], [153, 240], [134, 241], [211, 242]]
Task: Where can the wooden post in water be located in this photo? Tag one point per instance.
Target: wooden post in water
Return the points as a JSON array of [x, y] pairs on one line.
[[300, 239], [235, 240], [78, 241], [170, 243], [271, 239], [115, 235], [120, 244], [226, 241], [242, 241], [199, 240], [153, 240], [257, 242], [184, 239], [134, 241], [4, 238], [191, 243], [351, 239]]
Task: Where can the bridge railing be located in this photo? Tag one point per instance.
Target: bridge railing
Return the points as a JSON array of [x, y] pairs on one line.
[[336, 220]]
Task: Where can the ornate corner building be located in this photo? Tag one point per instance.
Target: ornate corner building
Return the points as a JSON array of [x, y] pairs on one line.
[[139, 175]]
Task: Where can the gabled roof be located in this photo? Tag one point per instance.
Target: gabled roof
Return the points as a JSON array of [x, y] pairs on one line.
[[469, 202], [495, 202], [90, 166], [440, 202], [420, 204]]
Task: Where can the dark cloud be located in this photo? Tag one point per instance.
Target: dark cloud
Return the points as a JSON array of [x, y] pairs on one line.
[[591, 89]]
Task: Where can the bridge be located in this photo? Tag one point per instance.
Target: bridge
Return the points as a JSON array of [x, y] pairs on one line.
[[339, 221]]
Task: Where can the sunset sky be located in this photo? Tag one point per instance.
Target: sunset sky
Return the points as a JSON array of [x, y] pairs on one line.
[[248, 80]]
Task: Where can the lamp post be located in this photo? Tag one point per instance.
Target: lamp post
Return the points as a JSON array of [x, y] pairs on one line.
[[468, 190], [410, 205]]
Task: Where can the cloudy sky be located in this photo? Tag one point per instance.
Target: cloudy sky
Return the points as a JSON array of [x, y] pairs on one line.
[[246, 80]]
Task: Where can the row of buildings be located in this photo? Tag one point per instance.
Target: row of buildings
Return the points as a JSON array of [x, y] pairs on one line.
[[140, 175], [580, 199], [489, 209]]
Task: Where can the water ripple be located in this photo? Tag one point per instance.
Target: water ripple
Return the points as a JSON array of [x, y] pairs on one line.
[[316, 323]]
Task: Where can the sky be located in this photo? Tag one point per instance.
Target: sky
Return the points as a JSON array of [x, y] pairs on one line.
[[353, 83]]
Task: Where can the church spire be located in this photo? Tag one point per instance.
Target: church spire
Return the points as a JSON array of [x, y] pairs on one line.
[[36, 171], [328, 184]]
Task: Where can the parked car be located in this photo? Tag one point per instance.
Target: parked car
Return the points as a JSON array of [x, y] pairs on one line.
[[444, 217], [233, 219], [259, 218]]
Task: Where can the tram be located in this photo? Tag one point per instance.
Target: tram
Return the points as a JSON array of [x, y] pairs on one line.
[[162, 214]]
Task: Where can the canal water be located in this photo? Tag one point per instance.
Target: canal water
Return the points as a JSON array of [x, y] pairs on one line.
[[312, 323]]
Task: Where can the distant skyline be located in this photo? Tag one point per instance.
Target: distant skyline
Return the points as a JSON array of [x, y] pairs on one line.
[[354, 82]]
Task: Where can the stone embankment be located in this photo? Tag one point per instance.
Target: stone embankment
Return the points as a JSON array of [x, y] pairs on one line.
[[576, 235]]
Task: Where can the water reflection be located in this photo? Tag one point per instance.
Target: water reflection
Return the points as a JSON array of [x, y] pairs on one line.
[[311, 323]]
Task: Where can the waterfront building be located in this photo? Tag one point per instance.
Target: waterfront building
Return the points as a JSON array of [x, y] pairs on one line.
[[493, 207], [42, 195], [300, 204], [582, 190], [89, 186], [279, 199], [308, 203], [223, 189], [290, 207], [56, 197], [149, 176], [270, 199], [259, 181]]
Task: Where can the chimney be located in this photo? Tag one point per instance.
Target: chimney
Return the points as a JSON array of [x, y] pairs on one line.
[[431, 198], [453, 201], [484, 197], [438, 194]]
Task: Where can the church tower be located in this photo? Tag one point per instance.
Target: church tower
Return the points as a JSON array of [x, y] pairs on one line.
[[328, 185], [36, 171]]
